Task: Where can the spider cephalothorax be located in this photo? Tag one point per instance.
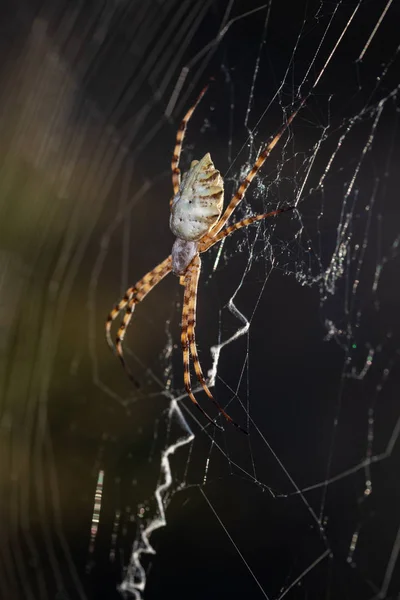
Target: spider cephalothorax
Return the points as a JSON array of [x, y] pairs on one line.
[[197, 223]]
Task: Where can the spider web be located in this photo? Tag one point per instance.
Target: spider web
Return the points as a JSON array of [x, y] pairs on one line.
[[109, 490]]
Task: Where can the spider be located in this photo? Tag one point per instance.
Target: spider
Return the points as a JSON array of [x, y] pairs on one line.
[[197, 223]]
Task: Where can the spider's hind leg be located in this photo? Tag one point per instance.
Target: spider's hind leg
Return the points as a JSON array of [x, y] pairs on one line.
[[176, 173], [239, 195], [209, 241]]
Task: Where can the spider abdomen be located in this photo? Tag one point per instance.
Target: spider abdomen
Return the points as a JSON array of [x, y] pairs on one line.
[[198, 204]]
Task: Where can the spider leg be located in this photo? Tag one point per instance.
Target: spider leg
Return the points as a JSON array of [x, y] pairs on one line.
[[238, 197], [176, 173], [133, 296], [120, 338], [206, 243], [192, 301], [115, 312], [185, 343]]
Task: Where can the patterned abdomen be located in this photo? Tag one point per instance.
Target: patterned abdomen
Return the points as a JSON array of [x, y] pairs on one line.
[[198, 204]]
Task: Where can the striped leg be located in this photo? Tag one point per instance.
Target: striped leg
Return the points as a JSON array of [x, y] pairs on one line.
[[176, 174], [133, 296], [192, 301], [115, 312], [187, 301], [207, 242], [238, 197]]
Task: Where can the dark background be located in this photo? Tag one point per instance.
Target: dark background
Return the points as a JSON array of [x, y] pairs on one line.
[[304, 507]]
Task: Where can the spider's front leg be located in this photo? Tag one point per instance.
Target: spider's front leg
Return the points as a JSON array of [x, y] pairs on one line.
[[186, 325], [192, 301], [195, 209], [133, 296]]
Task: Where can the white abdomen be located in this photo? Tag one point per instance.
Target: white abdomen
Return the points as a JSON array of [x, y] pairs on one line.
[[198, 204]]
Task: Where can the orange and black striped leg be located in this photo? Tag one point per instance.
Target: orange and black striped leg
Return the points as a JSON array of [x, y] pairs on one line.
[[133, 296], [176, 174], [121, 334], [196, 265], [238, 197], [185, 343], [114, 314], [207, 242]]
